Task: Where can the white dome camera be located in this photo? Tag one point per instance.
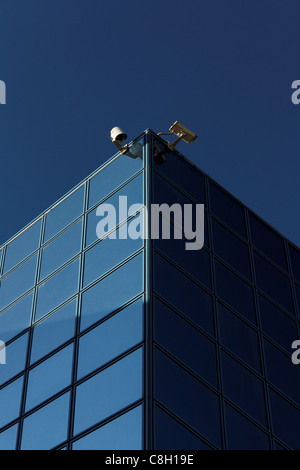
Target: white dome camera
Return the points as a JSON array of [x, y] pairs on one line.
[[117, 135]]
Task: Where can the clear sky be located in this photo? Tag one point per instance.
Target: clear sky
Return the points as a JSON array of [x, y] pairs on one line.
[[76, 68]]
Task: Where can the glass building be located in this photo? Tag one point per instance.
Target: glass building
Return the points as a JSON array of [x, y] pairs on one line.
[[133, 343]]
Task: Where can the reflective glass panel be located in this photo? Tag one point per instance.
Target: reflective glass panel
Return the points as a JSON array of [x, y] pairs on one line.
[[285, 419], [111, 338], [18, 282], [295, 261], [57, 289], [242, 434], [282, 372], [53, 331], [187, 398], [231, 249], [112, 292], [195, 262], [111, 176], [22, 246], [47, 427], [170, 434], [10, 399], [267, 241], [239, 338], [227, 209], [123, 433], [15, 358], [244, 389], [277, 324], [109, 391], [109, 252], [235, 292], [275, 284], [190, 299], [182, 173], [184, 342], [64, 213], [16, 318], [8, 438], [134, 193], [61, 249], [49, 377]]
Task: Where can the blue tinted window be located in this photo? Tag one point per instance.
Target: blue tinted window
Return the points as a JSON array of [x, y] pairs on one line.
[[47, 427], [112, 292], [115, 435], [190, 299], [8, 438], [282, 372], [231, 249], [185, 342], [18, 282], [239, 338], [195, 262], [64, 213], [112, 176], [235, 292], [134, 193], [108, 253], [297, 290], [187, 398], [57, 289], [277, 324], [275, 284], [242, 434], [244, 389], [15, 358], [285, 419], [60, 250], [49, 377], [22, 246], [16, 318], [10, 399], [111, 338], [181, 173], [109, 391], [53, 331], [295, 260], [227, 209], [170, 434], [267, 241]]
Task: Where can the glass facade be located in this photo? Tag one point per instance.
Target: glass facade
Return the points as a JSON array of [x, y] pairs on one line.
[[133, 343]]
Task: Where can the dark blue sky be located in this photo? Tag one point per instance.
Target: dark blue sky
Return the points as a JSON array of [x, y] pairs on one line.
[[76, 68]]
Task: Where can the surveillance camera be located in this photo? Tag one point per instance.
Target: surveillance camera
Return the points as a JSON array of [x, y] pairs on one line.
[[117, 135]]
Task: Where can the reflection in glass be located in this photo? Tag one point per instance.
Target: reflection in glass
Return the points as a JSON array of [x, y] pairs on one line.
[[123, 433], [47, 427], [187, 398], [22, 246], [134, 193], [8, 438], [15, 358], [109, 391], [49, 377], [64, 213], [111, 176], [61, 250], [57, 289], [53, 331], [111, 338], [16, 319], [11, 397], [103, 298], [18, 282]]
